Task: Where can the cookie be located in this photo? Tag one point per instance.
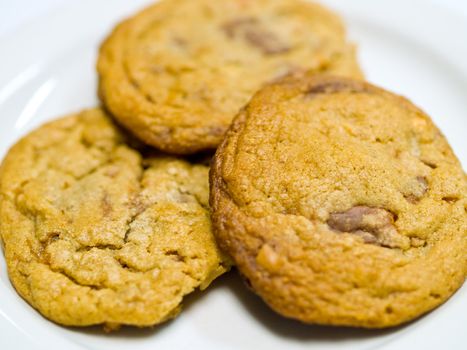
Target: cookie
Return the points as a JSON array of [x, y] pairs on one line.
[[96, 231], [341, 203], [177, 73]]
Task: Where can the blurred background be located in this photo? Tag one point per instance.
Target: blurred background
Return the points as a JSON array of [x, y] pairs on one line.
[[14, 13]]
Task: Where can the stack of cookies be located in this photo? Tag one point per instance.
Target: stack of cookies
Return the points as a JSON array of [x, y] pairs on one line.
[[338, 202]]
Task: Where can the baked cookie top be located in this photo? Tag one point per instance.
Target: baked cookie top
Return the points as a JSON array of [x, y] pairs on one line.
[[177, 73], [341, 203], [98, 232]]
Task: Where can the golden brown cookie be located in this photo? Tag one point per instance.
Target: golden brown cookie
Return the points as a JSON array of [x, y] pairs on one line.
[[341, 203], [95, 232], [178, 72]]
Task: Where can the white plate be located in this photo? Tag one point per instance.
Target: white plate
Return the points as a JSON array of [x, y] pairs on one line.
[[47, 69]]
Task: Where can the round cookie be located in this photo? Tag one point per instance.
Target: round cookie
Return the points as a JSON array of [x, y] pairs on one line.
[[341, 203], [98, 232], [177, 73]]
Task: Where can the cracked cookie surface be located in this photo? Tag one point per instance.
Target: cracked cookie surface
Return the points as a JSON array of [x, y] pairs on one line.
[[341, 203], [178, 72], [96, 231]]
